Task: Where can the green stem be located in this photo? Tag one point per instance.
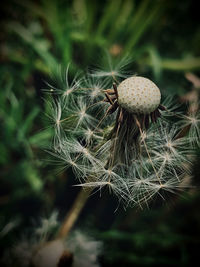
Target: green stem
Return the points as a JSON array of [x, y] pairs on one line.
[[176, 64]]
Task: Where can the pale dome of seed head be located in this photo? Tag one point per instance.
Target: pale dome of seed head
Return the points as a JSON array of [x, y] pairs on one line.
[[138, 95]]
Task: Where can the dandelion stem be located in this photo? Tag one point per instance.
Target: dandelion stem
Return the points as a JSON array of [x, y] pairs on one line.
[[74, 212]]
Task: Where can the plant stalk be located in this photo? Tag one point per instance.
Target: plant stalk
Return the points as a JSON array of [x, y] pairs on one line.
[[74, 212]]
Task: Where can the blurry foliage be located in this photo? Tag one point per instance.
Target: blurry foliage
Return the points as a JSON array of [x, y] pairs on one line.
[[158, 236], [162, 38], [59, 32]]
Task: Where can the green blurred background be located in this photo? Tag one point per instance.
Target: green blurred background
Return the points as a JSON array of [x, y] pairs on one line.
[[163, 39]]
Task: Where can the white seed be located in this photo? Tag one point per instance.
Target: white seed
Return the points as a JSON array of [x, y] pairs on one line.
[[138, 95]]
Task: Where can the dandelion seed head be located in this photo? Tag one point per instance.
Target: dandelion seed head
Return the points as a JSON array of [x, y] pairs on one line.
[[101, 149], [139, 95]]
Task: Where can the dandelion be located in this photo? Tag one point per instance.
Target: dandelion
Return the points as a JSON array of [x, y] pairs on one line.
[[122, 137], [46, 225], [85, 249], [35, 249], [126, 141]]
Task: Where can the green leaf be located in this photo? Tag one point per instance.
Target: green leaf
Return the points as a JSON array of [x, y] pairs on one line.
[[41, 139], [28, 123]]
